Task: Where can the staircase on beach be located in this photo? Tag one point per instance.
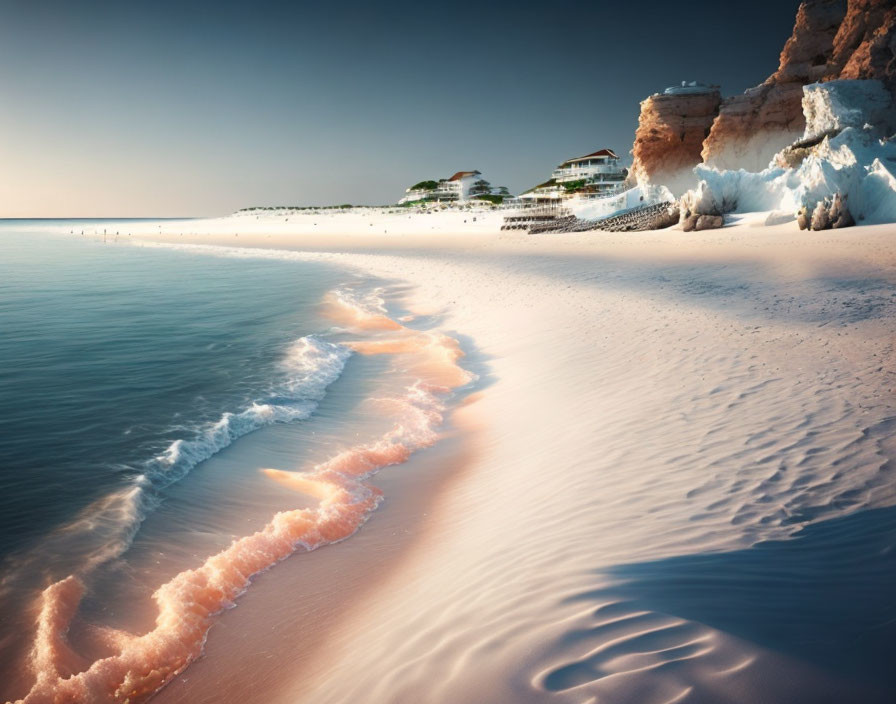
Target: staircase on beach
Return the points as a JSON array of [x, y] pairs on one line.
[[645, 217]]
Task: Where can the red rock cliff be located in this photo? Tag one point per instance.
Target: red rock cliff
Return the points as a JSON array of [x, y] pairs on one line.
[[831, 39], [670, 135]]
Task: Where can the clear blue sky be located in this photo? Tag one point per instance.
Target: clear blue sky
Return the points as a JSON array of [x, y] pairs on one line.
[[195, 108]]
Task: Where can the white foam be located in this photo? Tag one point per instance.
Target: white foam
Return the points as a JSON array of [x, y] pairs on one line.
[[187, 603], [310, 365], [105, 529]]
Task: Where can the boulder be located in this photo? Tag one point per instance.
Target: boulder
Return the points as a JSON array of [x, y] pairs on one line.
[[820, 218], [839, 214], [803, 218], [709, 222], [828, 213]]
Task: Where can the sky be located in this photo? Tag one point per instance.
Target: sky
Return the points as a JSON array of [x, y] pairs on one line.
[[153, 109]]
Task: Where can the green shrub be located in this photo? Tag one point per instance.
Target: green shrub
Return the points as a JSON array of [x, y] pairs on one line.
[[546, 184]]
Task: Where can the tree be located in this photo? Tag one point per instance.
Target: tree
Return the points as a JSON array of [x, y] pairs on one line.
[[480, 187]]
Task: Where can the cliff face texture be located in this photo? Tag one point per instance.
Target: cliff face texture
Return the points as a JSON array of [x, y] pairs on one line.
[[831, 39], [670, 135], [865, 45]]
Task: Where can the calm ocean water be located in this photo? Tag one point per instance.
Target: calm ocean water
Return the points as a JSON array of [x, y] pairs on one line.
[[109, 354], [175, 421], [122, 370]]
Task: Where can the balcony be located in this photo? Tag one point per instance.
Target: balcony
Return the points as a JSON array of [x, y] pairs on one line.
[[576, 173]]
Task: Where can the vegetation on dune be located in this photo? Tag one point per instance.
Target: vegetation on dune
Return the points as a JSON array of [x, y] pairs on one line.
[[425, 186], [496, 199], [546, 184]]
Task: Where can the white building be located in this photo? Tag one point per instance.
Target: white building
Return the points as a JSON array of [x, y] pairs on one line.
[[599, 170], [412, 194], [595, 175], [460, 188], [547, 193]]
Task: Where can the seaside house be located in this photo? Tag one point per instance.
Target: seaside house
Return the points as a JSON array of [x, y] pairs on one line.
[[419, 192], [459, 186], [598, 173], [547, 193], [594, 175], [462, 187]]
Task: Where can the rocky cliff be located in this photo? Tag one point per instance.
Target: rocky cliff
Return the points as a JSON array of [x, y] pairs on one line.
[[831, 39], [670, 135], [843, 168], [865, 45]]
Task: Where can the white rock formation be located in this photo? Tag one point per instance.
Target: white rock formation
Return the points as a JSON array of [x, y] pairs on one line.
[[846, 149], [836, 105]]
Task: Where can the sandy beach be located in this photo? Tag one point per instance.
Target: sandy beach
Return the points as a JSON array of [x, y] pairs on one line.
[[406, 354], [652, 409]]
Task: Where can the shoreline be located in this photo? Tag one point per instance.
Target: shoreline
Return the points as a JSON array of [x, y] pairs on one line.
[[647, 402], [331, 585], [334, 581], [190, 599], [620, 328], [621, 430]]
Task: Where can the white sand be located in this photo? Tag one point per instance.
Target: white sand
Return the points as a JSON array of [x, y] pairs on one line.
[[644, 396]]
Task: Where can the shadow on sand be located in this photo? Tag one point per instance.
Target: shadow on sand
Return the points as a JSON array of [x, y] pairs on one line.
[[827, 595]]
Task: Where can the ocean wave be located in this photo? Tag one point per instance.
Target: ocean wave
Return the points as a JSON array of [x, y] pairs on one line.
[[309, 367], [105, 529], [360, 311], [141, 664]]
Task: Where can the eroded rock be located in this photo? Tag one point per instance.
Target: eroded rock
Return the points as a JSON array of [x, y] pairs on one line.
[[831, 39], [828, 213], [669, 139], [699, 209]]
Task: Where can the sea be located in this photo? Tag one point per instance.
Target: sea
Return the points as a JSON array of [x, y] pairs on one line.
[[142, 392]]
